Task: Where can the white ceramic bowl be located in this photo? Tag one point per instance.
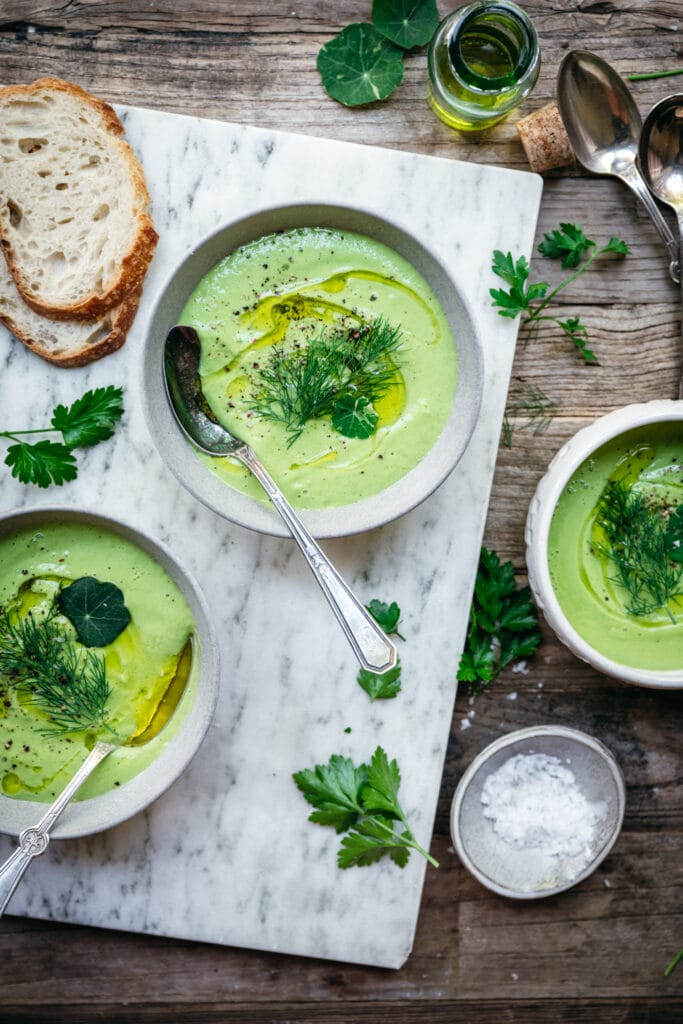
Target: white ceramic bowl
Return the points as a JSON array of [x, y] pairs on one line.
[[390, 503], [519, 873], [570, 457], [95, 814]]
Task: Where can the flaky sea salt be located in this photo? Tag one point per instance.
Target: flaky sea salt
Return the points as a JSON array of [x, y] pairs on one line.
[[534, 803]]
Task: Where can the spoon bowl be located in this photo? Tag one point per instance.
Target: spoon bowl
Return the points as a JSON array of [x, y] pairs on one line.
[[603, 124], [661, 160], [182, 351]]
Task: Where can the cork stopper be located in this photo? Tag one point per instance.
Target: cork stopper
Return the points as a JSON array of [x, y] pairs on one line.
[[545, 140]]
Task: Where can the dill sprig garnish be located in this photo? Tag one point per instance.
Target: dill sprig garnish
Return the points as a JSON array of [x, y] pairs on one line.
[[536, 410], [640, 546], [297, 385], [67, 684]]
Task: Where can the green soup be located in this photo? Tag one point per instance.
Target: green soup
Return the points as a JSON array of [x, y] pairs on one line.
[[279, 291], [648, 461], [147, 666]]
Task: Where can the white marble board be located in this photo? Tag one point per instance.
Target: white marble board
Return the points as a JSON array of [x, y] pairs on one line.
[[227, 855]]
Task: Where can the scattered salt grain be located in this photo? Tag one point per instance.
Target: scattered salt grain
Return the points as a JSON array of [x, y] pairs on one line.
[[514, 976], [534, 803], [520, 666], [511, 696], [607, 884], [465, 724]]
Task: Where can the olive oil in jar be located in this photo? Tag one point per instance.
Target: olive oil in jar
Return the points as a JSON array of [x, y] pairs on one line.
[[484, 59]]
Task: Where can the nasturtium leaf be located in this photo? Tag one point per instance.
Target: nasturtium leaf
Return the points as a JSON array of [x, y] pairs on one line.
[[42, 463], [407, 23], [382, 687], [353, 416], [359, 65], [96, 610]]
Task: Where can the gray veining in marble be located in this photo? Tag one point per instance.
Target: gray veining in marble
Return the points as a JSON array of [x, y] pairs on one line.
[[227, 855]]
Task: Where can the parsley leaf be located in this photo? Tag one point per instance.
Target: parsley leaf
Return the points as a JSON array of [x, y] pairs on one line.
[[386, 615], [388, 685], [568, 244], [577, 252], [43, 463], [96, 610], [364, 800], [373, 839], [503, 624], [617, 245], [360, 65], [334, 789], [89, 420], [407, 23], [381, 687]]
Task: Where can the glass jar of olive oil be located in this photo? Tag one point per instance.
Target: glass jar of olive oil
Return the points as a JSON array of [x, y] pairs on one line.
[[483, 60]]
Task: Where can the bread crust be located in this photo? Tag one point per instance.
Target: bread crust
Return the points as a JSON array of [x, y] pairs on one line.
[[120, 321], [133, 266]]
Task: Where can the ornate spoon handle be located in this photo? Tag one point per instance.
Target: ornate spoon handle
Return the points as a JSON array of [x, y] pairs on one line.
[[632, 177], [34, 841], [372, 647]]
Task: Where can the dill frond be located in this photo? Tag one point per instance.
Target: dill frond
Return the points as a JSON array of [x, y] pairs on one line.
[[636, 531], [297, 385], [66, 684]]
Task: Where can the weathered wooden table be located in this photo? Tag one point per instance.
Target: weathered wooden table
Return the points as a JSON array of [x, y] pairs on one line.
[[598, 952]]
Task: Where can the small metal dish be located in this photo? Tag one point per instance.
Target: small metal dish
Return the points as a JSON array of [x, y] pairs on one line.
[[172, 753], [419, 482], [577, 451], [524, 873]]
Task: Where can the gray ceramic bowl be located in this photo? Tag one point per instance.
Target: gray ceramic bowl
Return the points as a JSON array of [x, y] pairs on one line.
[[83, 817], [395, 500], [517, 873]]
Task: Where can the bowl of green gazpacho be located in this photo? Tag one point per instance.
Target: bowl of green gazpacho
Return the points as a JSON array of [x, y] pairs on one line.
[[339, 348], [605, 544], [102, 636]]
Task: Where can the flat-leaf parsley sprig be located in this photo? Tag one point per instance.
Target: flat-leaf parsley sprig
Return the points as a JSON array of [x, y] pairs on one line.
[[568, 244], [87, 421], [503, 623], [363, 802]]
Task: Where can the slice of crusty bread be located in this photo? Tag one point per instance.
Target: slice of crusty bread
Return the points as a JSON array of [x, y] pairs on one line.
[[74, 224], [64, 342]]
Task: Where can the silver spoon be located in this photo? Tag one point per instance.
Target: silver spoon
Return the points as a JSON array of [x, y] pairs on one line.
[[374, 650], [35, 840], [661, 160], [603, 124]]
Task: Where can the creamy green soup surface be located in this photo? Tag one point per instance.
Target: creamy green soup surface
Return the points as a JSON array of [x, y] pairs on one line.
[[147, 665], [282, 289], [649, 460]]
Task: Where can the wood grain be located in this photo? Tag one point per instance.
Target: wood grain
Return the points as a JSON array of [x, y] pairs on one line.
[[598, 952]]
